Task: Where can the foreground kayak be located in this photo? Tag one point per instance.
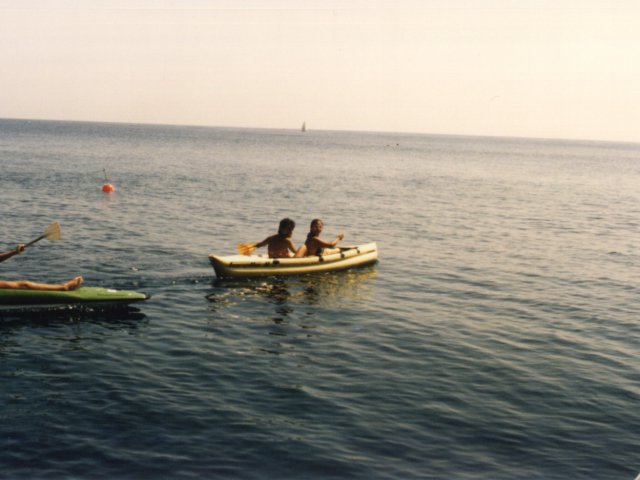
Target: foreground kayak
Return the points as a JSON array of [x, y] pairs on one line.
[[81, 295], [236, 266]]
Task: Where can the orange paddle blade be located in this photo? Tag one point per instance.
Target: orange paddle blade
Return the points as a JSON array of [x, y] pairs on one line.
[[246, 248]]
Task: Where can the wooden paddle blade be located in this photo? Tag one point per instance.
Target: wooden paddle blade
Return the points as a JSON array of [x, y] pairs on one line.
[[53, 232], [246, 248]]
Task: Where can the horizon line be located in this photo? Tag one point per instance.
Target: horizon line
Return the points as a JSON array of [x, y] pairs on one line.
[[311, 130]]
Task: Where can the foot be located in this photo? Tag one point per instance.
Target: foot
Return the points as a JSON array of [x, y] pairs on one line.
[[73, 284]]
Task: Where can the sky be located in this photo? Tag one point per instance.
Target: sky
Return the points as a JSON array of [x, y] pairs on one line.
[[525, 68]]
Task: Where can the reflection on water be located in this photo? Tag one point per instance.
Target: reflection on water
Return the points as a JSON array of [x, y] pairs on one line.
[[327, 289], [292, 311], [350, 284], [72, 324], [124, 316]]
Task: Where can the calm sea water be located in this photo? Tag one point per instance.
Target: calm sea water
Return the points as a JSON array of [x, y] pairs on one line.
[[497, 337]]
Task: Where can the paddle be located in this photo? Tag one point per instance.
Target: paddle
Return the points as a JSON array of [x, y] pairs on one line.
[[246, 248], [249, 248], [52, 232]]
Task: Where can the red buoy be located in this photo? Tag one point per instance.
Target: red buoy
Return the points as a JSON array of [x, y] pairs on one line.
[[107, 187]]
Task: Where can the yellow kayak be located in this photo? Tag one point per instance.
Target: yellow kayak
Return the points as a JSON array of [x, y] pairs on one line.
[[235, 266]]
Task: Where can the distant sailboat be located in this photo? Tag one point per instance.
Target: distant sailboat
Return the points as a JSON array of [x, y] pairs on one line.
[[304, 126]]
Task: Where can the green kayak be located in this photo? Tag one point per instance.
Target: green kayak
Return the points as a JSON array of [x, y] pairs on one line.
[[79, 296]]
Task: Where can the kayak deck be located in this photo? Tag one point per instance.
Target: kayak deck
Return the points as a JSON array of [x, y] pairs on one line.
[[81, 295], [236, 266]]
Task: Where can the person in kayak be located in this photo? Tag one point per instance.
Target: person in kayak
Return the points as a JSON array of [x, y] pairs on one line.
[[29, 285], [314, 245], [280, 245]]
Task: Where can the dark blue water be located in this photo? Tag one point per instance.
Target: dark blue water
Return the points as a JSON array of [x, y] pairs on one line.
[[497, 337]]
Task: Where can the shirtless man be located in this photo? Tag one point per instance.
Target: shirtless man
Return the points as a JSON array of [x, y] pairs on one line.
[[26, 284], [280, 245]]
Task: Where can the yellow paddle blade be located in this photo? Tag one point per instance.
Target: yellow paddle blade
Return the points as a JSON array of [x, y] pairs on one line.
[[246, 248], [52, 232]]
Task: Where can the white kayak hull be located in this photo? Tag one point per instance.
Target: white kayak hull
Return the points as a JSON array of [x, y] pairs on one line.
[[236, 266]]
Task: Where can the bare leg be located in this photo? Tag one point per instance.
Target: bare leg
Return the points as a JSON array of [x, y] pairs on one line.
[[28, 285]]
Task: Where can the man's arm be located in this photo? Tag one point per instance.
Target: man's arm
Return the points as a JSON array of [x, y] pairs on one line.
[[8, 255]]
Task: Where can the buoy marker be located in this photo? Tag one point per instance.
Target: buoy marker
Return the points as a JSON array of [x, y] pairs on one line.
[[107, 187]]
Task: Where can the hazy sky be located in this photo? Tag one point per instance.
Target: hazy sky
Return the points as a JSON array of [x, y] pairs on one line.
[[535, 68]]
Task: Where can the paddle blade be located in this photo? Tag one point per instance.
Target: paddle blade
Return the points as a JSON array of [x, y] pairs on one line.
[[52, 232], [246, 248]]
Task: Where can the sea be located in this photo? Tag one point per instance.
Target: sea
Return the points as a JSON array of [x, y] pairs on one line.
[[497, 337]]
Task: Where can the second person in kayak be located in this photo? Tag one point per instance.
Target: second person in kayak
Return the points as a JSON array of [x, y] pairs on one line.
[[314, 245]]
